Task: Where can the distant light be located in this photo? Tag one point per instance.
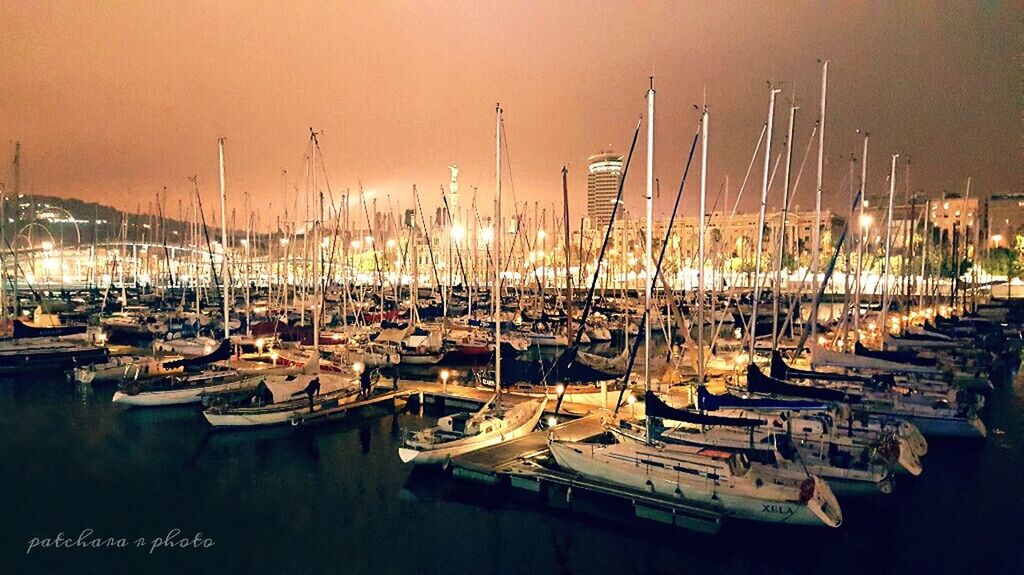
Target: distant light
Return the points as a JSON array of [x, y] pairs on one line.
[[559, 389], [552, 421], [47, 246]]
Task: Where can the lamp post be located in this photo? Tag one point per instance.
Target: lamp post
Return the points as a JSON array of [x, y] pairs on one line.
[[444, 380]]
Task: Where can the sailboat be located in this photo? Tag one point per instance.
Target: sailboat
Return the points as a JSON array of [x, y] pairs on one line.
[[720, 480], [215, 378], [493, 424], [277, 398]]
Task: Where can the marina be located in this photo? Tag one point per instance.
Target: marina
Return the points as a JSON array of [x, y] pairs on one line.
[[425, 307]]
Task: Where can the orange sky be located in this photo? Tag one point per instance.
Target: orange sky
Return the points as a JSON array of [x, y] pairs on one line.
[[112, 101]]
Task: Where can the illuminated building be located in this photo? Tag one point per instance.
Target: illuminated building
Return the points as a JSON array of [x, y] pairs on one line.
[[603, 176], [1005, 219]]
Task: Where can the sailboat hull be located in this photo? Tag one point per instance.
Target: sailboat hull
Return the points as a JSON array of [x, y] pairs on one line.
[[444, 452], [183, 396], [588, 460]]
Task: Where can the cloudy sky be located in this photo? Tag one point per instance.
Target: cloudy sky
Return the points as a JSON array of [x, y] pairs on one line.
[[114, 100]]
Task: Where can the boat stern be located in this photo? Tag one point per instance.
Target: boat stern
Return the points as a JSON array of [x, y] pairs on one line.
[[821, 501]]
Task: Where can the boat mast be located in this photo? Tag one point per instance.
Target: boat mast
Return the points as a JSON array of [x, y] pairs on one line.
[[124, 255], [888, 247], [318, 216], [926, 238], [760, 221], [648, 255], [782, 229], [568, 251], [863, 238], [496, 287], [816, 237], [17, 195], [224, 241], [700, 247]]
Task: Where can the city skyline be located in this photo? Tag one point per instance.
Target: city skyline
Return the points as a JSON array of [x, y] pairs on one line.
[[135, 100]]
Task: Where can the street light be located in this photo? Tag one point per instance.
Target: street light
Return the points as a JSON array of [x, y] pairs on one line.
[[458, 232], [865, 221], [358, 367], [996, 238], [444, 380]]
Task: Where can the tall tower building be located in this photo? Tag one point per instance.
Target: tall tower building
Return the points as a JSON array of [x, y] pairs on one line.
[[602, 187]]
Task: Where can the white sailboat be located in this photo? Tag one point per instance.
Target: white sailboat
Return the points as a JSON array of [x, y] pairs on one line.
[[277, 398], [124, 368], [725, 482], [465, 432]]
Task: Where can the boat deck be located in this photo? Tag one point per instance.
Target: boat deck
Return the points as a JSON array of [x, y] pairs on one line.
[[385, 399], [524, 464]]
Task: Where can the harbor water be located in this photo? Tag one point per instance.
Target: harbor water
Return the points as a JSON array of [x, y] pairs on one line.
[[336, 499]]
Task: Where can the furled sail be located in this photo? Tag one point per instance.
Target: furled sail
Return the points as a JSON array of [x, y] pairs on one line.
[[655, 407], [708, 401], [761, 383], [220, 354]]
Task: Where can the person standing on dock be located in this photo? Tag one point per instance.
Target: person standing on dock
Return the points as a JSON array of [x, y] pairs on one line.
[[364, 383]]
